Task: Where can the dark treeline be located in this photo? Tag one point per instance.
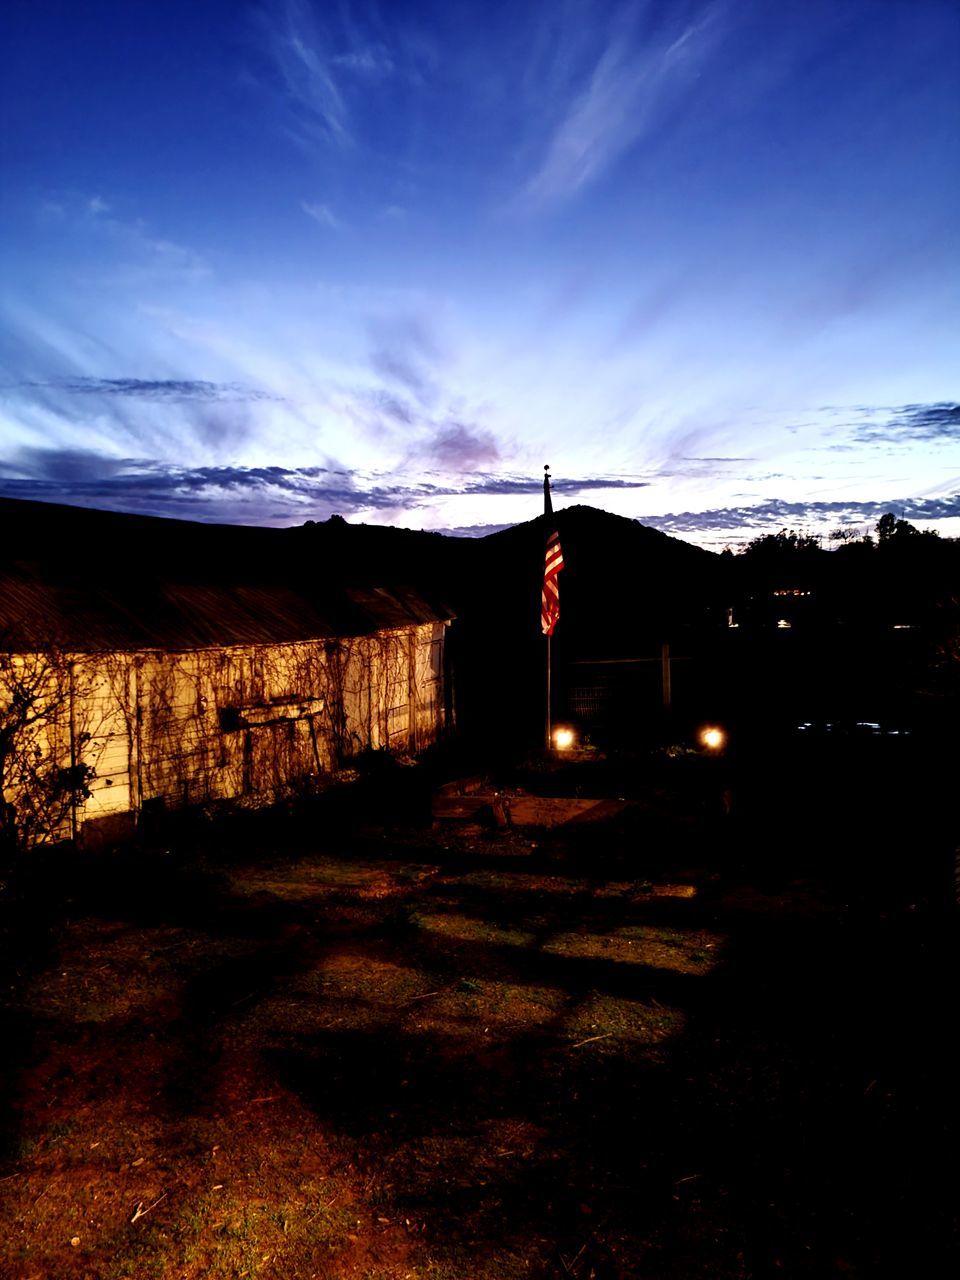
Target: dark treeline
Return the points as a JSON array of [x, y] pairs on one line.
[[897, 576]]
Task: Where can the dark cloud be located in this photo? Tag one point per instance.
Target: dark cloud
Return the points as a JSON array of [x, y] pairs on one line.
[[777, 514], [930, 423], [62, 466], [498, 485], [242, 494], [289, 495], [251, 495], [158, 389], [472, 530], [457, 447], [392, 407]]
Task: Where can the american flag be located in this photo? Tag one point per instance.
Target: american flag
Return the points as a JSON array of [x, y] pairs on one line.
[[550, 597]]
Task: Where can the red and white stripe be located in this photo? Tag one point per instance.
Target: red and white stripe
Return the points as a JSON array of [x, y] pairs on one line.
[[550, 596]]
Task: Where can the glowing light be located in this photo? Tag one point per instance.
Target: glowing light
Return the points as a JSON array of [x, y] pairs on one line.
[[783, 624], [563, 739], [712, 738]]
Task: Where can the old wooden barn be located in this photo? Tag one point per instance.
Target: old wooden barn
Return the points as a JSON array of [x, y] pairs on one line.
[[203, 670]]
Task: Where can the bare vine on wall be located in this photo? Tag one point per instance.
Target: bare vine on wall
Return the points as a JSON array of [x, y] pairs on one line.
[[43, 776], [175, 729]]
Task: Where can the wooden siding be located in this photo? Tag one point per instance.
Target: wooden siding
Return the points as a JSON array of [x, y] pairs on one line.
[[172, 729]]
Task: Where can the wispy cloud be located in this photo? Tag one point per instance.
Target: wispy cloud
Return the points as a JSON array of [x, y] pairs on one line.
[[929, 423], [188, 419], [366, 60], [408, 352], [507, 485], [149, 253], [623, 94], [390, 406], [777, 513], [252, 495], [317, 57], [454, 446], [301, 57], [323, 214], [138, 249], [158, 389]]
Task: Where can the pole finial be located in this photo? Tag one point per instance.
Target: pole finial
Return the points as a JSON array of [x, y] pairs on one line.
[[547, 500]]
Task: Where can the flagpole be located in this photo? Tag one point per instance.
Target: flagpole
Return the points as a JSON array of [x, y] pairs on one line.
[[548, 511], [549, 638]]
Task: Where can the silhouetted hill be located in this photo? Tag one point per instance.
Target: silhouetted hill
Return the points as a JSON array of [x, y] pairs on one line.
[[100, 581], [379, 553], [624, 590], [622, 582], [616, 568], [78, 542], [86, 539]]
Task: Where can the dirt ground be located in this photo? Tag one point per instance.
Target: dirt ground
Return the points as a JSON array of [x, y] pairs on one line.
[[663, 1044]]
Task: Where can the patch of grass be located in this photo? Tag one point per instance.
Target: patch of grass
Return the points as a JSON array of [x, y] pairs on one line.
[[466, 928], [62, 1129], [145, 1255], [25, 1148], [691, 951], [492, 1264], [608, 1025]]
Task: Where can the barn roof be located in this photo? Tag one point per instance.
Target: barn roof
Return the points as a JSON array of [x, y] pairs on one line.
[[93, 581]]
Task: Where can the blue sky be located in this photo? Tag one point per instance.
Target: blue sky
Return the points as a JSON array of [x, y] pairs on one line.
[[266, 262]]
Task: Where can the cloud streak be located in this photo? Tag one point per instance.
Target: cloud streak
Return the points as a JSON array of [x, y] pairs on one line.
[[407, 353], [458, 447], [302, 61], [163, 389], [322, 214], [282, 495], [928, 423], [252, 495], [247, 494], [777, 513], [624, 94]]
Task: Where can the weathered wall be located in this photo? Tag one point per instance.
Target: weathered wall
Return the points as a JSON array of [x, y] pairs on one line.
[[162, 730]]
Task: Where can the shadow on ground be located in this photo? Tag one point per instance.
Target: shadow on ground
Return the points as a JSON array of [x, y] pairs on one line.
[[678, 1045]]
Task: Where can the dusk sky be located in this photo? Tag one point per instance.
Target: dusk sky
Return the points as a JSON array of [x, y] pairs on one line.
[[267, 262]]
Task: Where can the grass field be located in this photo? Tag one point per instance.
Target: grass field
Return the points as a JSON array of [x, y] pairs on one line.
[[639, 1048]]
